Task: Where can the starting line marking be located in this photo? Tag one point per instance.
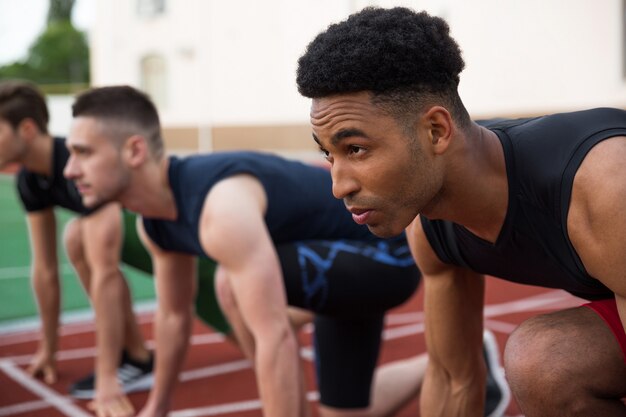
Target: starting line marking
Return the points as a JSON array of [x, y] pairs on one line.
[[48, 395]]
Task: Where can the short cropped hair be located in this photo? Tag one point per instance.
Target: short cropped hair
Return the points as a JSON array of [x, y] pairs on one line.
[[124, 111], [400, 56], [21, 100]]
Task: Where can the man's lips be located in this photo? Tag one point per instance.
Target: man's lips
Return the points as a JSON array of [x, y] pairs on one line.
[[360, 216]]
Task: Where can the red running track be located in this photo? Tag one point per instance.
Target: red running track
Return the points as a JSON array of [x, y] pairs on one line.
[[217, 380]]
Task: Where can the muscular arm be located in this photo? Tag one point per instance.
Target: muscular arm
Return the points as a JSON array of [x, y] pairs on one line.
[[45, 282], [596, 222], [233, 231], [175, 282], [102, 240], [454, 384]]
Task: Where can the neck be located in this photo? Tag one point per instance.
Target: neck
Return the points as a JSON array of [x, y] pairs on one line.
[[38, 157], [475, 193], [150, 193]]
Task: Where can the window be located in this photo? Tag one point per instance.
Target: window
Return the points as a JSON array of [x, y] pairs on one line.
[[154, 79], [150, 8]]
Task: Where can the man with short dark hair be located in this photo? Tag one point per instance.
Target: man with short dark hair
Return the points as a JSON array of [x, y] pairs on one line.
[[539, 201]]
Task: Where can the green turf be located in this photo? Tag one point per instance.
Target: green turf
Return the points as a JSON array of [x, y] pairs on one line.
[[16, 298]]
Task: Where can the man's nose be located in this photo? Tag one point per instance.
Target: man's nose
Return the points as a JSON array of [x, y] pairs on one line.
[[71, 168], [344, 183]]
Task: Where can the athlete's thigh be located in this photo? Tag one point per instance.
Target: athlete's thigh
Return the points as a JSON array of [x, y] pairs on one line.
[[348, 278]]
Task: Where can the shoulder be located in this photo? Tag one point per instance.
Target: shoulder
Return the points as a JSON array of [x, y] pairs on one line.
[[595, 221], [425, 256], [29, 187]]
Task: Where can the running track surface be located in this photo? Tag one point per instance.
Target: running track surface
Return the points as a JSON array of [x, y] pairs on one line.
[[217, 380]]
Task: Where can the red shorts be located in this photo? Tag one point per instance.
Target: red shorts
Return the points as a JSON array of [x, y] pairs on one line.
[[607, 309]]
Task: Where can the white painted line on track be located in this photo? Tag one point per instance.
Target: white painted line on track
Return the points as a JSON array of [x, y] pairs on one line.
[[25, 407], [229, 408], [19, 272], [500, 326], [537, 302], [55, 400], [90, 352], [225, 368], [75, 322]]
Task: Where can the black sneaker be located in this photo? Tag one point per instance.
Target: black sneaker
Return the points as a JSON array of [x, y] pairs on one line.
[[498, 392], [133, 376]]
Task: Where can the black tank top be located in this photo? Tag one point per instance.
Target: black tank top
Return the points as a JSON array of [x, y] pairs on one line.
[[300, 201], [542, 156], [38, 192]]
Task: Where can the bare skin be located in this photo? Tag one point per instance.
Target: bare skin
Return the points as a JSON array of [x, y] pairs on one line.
[[97, 268], [458, 174]]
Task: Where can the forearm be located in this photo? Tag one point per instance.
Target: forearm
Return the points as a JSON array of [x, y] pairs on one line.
[[172, 330], [107, 289], [47, 292], [441, 396], [278, 376]]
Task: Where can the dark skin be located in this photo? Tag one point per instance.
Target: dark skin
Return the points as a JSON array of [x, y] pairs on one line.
[[388, 175]]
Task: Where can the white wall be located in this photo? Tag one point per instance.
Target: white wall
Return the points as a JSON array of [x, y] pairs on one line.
[[233, 62]]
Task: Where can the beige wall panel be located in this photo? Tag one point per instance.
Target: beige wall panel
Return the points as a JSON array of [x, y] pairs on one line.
[[278, 137], [177, 138]]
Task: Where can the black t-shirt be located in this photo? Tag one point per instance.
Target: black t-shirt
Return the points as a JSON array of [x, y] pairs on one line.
[[542, 156], [38, 192]]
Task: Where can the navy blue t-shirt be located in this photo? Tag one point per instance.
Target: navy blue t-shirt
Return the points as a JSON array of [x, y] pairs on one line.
[[300, 201]]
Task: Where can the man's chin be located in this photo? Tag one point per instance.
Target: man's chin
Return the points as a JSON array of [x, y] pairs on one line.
[[384, 231], [91, 202]]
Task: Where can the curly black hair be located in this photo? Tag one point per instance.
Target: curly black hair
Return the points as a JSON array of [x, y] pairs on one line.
[[395, 54]]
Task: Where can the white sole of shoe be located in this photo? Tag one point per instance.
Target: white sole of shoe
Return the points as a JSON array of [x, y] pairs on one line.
[[493, 357]]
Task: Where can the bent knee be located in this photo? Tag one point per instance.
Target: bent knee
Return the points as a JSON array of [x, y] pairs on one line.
[[73, 240], [224, 291]]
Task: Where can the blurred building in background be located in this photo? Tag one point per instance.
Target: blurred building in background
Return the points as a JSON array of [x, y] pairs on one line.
[[223, 72]]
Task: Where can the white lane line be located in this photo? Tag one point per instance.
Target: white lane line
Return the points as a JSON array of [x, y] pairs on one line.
[[55, 400], [90, 352], [229, 408], [537, 302], [225, 368], [500, 326], [22, 408], [16, 272], [72, 323]]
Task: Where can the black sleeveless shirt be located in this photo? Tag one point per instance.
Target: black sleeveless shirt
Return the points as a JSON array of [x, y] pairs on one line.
[[39, 192], [542, 156]]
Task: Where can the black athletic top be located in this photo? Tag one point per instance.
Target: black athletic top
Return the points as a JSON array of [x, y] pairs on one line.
[[300, 204], [542, 156], [38, 192]]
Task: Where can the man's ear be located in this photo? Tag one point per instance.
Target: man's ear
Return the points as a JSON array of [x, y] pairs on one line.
[[440, 126], [28, 129], [136, 150]]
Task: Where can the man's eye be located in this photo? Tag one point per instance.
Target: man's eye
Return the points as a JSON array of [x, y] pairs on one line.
[[354, 149], [325, 153]]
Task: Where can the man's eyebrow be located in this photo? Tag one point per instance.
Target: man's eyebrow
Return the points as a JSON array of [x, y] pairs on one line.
[[342, 134], [76, 147]]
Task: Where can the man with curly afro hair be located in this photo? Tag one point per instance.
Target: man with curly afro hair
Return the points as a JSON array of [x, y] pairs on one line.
[[538, 201]]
